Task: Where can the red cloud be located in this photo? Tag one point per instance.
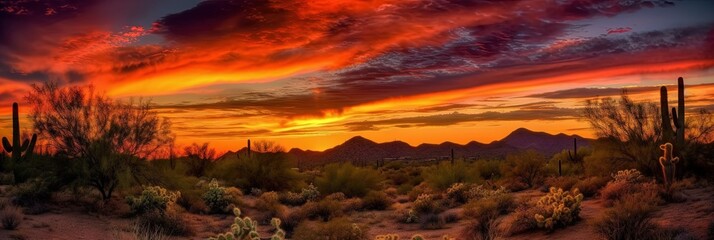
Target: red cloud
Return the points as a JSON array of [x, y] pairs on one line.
[[618, 30]]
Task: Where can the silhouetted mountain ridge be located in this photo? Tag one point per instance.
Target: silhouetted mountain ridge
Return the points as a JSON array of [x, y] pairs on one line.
[[360, 150]]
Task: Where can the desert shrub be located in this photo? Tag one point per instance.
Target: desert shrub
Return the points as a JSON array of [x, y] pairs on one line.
[[296, 199], [432, 221], [603, 160], [291, 220], [628, 182], [338, 196], [192, 203], [418, 190], [376, 200], [404, 215], [245, 228], [527, 167], [139, 232], [266, 171], [566, 182], [630, 218], [35, 191], [591, 185], [11, 217], [446, 174], [336, 229], [217, 198], [168, 223], [558, 208], [310, 193], [152, 198], [324, 209], [483, 214], [425, 203], [269, 207], [291, 199], [488, 169], [524, 220], [458, 192], [348, 179]]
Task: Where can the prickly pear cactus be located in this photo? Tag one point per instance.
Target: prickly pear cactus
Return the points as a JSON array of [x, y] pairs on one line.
[[558, 208]]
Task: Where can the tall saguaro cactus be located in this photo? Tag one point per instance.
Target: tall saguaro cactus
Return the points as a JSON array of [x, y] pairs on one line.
[[675, 132], [18, 151]]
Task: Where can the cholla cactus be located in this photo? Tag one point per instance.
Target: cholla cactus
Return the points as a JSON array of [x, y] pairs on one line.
[[668, 163], [245, 229], [458, 192], [558, 208], [310, 193], [424, 203], [478, 192], [387, 237], [629, 176], [216, 197], [152, 198]]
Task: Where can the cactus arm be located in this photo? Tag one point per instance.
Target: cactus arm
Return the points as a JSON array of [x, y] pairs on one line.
[[667, 131], [675, 118], [31, 148], [680, 106], [6, 144], [24, 145]]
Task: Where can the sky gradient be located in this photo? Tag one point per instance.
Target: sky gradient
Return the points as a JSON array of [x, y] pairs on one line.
[[311, 74]]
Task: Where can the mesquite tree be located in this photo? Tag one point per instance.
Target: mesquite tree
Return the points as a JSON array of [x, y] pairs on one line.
[[104, 137]]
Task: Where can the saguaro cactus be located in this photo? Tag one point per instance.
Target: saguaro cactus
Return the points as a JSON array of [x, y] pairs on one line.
[[668, 163], [670, 133], [18, 151]]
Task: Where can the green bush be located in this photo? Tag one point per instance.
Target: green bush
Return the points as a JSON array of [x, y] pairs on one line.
[[591, 185], [152, 198], [336, 229], [488, 169], [558, 208], [526, 167], [376, 200], [265, 171], [446, 174], [218, 198], [348, 179]]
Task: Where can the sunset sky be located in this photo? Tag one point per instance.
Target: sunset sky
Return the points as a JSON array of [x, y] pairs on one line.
[[314, 73]]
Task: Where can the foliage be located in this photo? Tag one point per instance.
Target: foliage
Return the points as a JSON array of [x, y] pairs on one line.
[[199, 158], [632, 127], [404, 215], [348, 179], [566, 182], [483, 214], [269, 206], [217, 198], [527, 167], [488, 169], [152, 198], [245, 229], [168, 223], [262, 171], [446, 174], [336, 229], [325, 209], [558, 208], [630, 218], [376, 200], [628, 182], [105, 137], [310, 193], [590, 186], [425, 203], [10, 217], [458, 192]]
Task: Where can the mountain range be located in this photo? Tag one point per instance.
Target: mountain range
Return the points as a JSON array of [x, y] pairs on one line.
[[360, 150]]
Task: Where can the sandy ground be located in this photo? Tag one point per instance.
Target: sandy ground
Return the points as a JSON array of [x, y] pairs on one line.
[[693, 216]]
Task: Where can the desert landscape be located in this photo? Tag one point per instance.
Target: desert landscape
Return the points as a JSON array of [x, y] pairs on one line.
[[357, 120]]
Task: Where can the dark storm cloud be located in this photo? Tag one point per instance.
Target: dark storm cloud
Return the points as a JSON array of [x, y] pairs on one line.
[[603, 92]]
